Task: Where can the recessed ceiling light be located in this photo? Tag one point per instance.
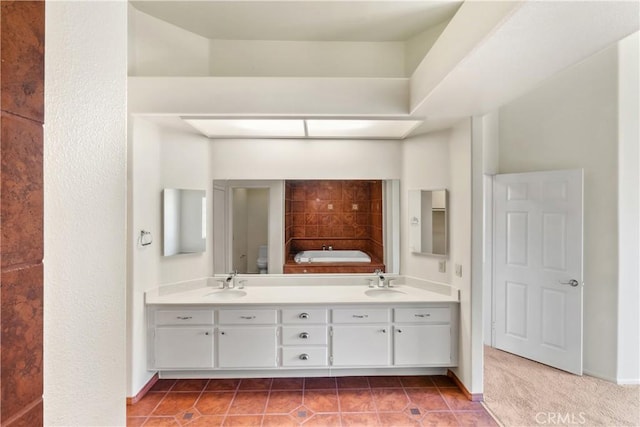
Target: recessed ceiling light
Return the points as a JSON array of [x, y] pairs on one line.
[[395, 129], [303, 128], [249, 128]]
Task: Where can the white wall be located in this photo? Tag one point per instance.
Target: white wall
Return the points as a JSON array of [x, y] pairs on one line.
[[417, 47], [305, 159], [85, 213], [157, 48], [628, 211], [276, 58], [143, 270], [159, 158], [425, 166], [571, 122], [460, 252]]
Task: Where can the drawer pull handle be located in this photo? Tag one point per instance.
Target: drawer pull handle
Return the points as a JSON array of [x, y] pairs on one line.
[[206, 333], [384, 331], [360, 316], [248, 317], [304, 335], [222, 332], [185, 317], [304, 356], [423, 315], [399, 331], [304, 315]]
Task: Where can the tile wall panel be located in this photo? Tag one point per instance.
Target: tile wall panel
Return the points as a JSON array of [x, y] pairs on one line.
[[346, 214], [22, 51], [21, 211], [21, 190], [21, 320]]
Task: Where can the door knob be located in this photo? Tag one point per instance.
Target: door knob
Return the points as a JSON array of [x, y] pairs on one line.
[[572, 282]]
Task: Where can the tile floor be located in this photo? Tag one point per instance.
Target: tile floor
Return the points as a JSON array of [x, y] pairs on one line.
[[341, 401]]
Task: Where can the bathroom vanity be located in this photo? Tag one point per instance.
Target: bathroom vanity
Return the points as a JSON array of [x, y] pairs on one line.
[[311, 330]]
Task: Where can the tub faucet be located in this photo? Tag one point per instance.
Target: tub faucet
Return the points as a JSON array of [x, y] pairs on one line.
[[381, 283], [231, 279]]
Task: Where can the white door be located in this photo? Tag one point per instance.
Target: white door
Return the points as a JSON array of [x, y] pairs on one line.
[[183, 348], [247, 347], [361, 345], [538, 267], [422, 345]]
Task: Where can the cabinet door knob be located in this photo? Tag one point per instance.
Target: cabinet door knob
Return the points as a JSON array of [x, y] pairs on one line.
[[384, 331], [221, 332], [399, 331], [304, 335], [206, 333], [304, 356], [304, 315]]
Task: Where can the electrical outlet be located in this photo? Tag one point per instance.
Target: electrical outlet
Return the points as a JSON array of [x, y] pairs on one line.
[[442, 266], [458, 270]]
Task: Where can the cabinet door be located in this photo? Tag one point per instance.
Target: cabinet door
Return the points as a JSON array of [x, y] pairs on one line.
[[183, 347], [422, 345], [361, 345], [247, 347]]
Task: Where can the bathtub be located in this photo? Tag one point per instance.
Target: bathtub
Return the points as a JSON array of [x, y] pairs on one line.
[[331, 256]]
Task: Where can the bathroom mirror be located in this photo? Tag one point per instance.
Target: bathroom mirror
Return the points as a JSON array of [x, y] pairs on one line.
[[428, 222], [184, 221], [242, 209]]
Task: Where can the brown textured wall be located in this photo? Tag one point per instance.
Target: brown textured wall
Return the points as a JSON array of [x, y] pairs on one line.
[[21, 211], [346, 214]]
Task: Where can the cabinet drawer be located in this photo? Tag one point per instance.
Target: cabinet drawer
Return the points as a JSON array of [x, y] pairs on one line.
[[304, 356], [422, 315], [248, 317], [301, 335], [184, 317], [304, 315], [365, 315]]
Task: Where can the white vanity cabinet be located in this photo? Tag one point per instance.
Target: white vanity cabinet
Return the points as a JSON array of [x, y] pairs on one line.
[[334, 340], [247, 338], [361, 337], [183, 339], [422, 336]]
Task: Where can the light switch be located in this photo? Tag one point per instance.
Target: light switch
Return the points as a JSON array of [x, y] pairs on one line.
[[442, 266], [458, 270]]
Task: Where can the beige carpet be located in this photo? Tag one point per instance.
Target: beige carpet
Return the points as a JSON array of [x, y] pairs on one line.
[[520, 392]]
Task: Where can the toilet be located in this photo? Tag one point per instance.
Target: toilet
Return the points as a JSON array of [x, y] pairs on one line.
[[263, 259]]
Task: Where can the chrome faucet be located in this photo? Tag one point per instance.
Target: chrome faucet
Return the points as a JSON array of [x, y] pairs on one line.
[[381, 283], [230, 281]]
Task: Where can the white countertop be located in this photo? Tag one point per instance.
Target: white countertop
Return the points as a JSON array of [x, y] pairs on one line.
[[208, 293]]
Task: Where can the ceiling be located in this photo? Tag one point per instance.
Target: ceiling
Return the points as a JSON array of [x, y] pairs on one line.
[[374, 21]]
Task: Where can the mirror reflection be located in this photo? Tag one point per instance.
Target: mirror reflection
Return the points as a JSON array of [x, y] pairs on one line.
[[428, 221], [184, 221], [306, 226], [250, 230]]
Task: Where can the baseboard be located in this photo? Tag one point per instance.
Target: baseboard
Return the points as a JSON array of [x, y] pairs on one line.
[[474, 397], [135, 399], [624, 381]]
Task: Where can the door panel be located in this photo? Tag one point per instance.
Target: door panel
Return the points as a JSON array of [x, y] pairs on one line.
[[537, 254]]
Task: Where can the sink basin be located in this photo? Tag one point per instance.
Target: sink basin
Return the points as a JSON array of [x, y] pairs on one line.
[[384, 293], [226, 294]]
